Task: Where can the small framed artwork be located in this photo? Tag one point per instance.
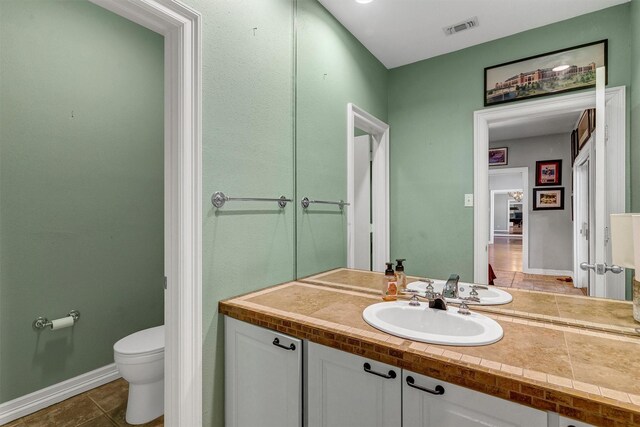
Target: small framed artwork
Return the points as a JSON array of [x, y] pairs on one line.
[[548, 172], [548, 199], [584, 128], [574, 146], [498, 156]]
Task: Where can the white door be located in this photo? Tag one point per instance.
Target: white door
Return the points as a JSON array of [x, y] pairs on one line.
[[605, 283], [263, 377], [343, 390], [427, 402], [362, 202], [582, 223]]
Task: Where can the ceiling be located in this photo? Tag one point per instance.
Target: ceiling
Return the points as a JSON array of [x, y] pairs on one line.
[[399, 32], [527, 127]]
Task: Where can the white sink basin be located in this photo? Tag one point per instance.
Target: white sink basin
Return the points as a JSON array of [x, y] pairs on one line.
[[421, 323], [491, 296]]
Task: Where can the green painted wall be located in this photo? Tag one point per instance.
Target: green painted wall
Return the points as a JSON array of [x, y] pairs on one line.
[[333, 69], [248, 151], [431, 105], [81, 187], [635, 106]]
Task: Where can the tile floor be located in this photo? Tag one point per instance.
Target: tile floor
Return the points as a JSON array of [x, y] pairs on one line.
[[536, 282], [104, 406]]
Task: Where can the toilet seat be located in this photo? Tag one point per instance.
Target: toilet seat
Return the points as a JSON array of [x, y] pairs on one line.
[[145, 344]]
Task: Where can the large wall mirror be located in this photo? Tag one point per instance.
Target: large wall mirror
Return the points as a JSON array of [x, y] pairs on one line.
[[429, 106]]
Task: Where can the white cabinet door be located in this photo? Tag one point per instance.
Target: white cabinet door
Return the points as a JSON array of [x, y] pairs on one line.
[[568, 422], [453, 405], [345, 390], [263, 377]]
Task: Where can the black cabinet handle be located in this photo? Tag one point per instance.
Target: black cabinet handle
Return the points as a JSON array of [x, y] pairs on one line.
[[439, 389], [276, 342], [367, 368]]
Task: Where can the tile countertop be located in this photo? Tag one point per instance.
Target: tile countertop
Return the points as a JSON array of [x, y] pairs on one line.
[[581, 373], [571, 310]]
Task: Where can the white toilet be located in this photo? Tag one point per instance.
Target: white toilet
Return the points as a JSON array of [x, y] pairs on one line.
[[140, 360]]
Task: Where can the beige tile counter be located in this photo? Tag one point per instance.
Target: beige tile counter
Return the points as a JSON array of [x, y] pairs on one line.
[[581, 373], [571, 310]]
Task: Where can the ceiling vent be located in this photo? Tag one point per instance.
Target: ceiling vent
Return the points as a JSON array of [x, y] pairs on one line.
[[464, 25]]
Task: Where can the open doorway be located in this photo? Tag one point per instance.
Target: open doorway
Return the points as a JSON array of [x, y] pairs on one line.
[[367, 190], [548, 256]]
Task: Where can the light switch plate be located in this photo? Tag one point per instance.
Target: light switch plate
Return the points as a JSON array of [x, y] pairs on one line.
[[468, 200]]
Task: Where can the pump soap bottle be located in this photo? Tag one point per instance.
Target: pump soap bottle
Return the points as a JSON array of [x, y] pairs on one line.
[[389, 284], [400, 276]]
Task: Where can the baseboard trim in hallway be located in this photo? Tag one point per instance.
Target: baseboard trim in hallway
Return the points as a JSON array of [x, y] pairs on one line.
[[40, 399]]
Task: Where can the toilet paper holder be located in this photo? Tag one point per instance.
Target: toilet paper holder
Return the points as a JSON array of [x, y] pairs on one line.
[[43, 322]]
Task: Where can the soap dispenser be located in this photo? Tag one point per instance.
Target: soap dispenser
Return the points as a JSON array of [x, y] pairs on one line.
[[400, 276], [389, 284]]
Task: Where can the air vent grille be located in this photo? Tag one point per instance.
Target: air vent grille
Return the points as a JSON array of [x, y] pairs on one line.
[[461, 26]]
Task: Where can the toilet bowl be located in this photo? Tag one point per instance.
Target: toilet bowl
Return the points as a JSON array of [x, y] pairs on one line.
[[140, 360]]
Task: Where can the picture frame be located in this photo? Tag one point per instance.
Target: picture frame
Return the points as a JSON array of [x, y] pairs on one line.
[[546, 74], [548, 199], [584, 128], [498, 156], [548, 172], [575, 149]]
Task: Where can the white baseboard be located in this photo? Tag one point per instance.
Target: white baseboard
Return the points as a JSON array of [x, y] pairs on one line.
[[548, 272], [40, 399]]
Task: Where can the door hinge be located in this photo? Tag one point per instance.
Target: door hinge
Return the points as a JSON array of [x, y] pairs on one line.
[[165, 282], [607, 236], [371, 228], [606, 133]]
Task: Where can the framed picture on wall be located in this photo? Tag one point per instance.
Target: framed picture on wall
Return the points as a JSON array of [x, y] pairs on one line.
[[548, 172], [498, 156], [547, 199], [584, 128], [547, 74]]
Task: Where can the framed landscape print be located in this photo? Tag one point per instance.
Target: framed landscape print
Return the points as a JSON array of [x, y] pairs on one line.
[[498, 156], [548, 199], [548, 172], [547, 74]]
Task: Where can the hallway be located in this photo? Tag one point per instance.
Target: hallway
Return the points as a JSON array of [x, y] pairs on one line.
[[505, 256]]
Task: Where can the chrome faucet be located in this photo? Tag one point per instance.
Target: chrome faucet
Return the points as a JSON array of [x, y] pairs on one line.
[[451, 287], [435, 300]]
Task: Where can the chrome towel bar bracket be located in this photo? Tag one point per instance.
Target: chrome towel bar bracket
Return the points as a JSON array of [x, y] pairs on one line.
[[218, 199], [306, 202]]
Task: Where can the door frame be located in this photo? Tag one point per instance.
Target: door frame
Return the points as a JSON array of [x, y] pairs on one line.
[[379, 130], [581, 159], [524, 178], [482, 119], [181, 27]]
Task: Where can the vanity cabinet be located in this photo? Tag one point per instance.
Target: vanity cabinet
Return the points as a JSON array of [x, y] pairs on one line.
[[344, 389], [427, 402], [263, 377], [264, 387]]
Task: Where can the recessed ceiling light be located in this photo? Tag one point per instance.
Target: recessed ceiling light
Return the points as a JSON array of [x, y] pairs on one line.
[[363, 1], [560, 68]]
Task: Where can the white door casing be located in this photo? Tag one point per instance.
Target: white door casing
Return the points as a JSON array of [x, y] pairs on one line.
[[524, 179], [362, 203], [616, 103], [358, 118], [181, 27], [583, 220]]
